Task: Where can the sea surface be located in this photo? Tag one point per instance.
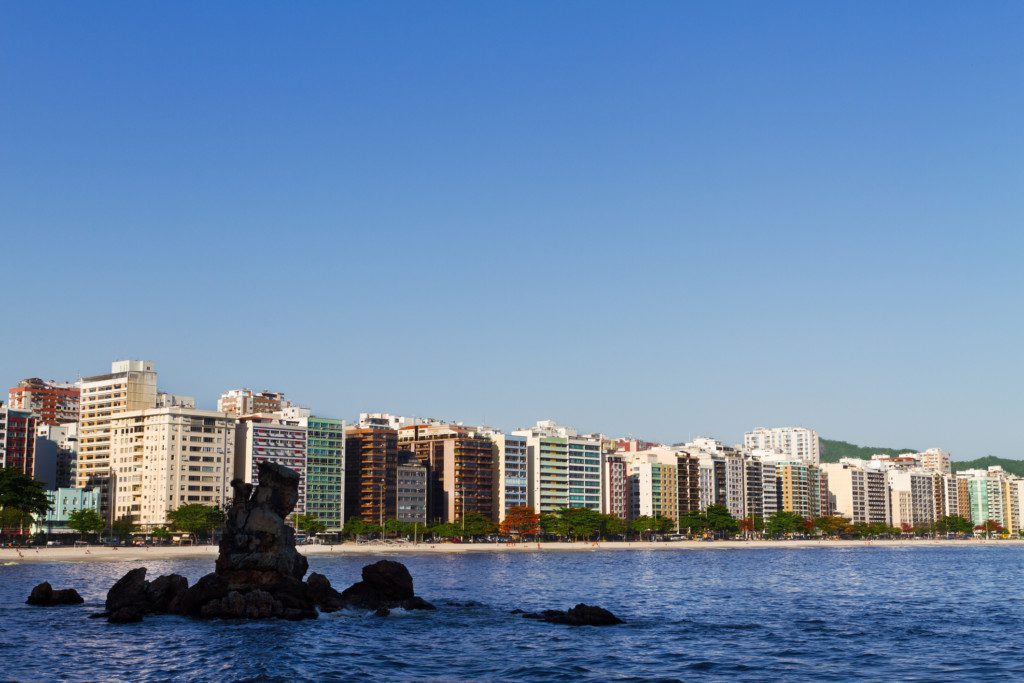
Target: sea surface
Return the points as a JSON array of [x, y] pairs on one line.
[[788, 614]]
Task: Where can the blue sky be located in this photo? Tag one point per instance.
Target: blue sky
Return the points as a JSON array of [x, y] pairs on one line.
[[663, 219]]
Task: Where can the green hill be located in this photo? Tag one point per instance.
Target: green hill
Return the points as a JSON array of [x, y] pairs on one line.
[[1011, 466], [832, 450]]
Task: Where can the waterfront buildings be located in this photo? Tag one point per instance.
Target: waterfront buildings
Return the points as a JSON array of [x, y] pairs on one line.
[[129, 386], [936, 460], [762, 496], [802, 488], [268, 438], [510, 478], [325, 470], [64, 440], [460, 469], [18, 440], [240, 402], [616, 487], [64, 501], [565, 468], [371, 468], [411, 492], [858, 491], [163, 458], [798, 443], [53, 403]]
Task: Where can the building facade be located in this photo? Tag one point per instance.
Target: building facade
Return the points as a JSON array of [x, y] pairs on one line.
[[565, 468], [325, 470], [511, 472], [795, 443], [129, 386], [53, 403], [266, 438], [371, 467], [240, 402], [460, 469], [164, 458]]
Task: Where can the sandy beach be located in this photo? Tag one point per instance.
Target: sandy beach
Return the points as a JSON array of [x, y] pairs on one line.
[[105, 554]]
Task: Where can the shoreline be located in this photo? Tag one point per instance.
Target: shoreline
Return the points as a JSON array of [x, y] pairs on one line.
[[10, 556]]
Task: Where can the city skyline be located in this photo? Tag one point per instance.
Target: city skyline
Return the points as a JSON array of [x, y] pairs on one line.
[[686, 220]]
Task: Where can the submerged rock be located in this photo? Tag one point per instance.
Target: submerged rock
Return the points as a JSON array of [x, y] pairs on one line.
[[44, 595], [580, 615]]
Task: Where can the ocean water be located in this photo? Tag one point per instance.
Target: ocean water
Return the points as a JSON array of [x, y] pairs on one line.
[[934, 613]]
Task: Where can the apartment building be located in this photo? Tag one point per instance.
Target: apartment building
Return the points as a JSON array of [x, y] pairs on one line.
[[795, 443], [129, 386], [460, 469], [654, 483], [325, 470], [762, 499], [565, 467], [511, 472], [240, 402], [164, 458], [912, 497], [803, 488], [411, 492], [371, 467], [52, 403], [18, 440], [616, 486], [858, 491], [268, 438]]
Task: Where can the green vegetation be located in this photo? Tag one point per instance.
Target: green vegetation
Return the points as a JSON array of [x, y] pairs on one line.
[[832, 451], [123, 527], [1012, 466], [87, 522], [196, 519], [22, 499], [309, 524]]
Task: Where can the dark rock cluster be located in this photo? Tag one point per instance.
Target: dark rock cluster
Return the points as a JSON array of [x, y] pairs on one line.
[[259, 572], [580, 615], [44, 595]]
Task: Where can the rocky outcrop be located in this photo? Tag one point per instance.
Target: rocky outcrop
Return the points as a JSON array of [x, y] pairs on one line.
[[259, 572], [386, 585], [580, 615], [133, 596], [44, 595]]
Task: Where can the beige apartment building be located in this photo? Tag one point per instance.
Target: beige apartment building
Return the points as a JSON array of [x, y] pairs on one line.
[[164, 458], [248, 402], [130, 386]]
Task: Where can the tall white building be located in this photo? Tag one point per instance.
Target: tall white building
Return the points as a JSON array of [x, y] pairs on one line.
[[798, 443], [163, 458], [511, 471], [130, 386], [858, 490], [936, 460]]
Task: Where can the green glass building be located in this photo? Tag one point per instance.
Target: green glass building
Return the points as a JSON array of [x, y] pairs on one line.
[[325, 471]]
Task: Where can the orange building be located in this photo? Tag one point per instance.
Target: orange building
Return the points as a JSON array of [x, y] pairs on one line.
[[53, 403]]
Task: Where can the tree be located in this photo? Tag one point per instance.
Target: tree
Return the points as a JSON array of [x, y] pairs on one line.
[[581, 522], [693, 521], [554, 525], [783, 523], [644, 524], [832, 525], [123, 527], [397, 527], [989, 526], [613, 526], [355, 527], [520, 520], [161, 532], [22, 499], [751, 525], [309, 524], [86, 522], [196, 519], [720, 521], [446, 530], [474, 524], [953, 524]]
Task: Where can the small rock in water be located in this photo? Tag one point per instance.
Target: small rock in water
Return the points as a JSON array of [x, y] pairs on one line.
[[580, 615], [385, 584], [44, 595]]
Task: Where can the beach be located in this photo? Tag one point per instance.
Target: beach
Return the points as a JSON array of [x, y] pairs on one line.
[[136, 554]]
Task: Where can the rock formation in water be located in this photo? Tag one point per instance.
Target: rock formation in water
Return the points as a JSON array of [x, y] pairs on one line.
[[580, 615], [259, 572], [44, 595]]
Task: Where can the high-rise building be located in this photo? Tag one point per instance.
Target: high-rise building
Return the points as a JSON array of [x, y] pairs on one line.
[[654, 484], [371, 464], [762, 492], [325, 470], [64, 438], [268, 438], [411, 492], [164, 458], [396, 422], [724, 475], [240, 402], [688, 481], [803, 488], [18, 440], [130, 386], [987, 494], [565, 468], [858, 489], [796, 443], [52, 403], [166, 400], [936, 460], [460, 469], [911, 497], [511, 472], [616, 487]]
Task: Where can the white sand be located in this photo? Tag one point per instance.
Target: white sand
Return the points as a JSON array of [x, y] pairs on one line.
[[102, 554]]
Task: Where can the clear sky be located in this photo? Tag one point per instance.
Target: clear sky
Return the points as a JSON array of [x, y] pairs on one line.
[[661, 219]]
